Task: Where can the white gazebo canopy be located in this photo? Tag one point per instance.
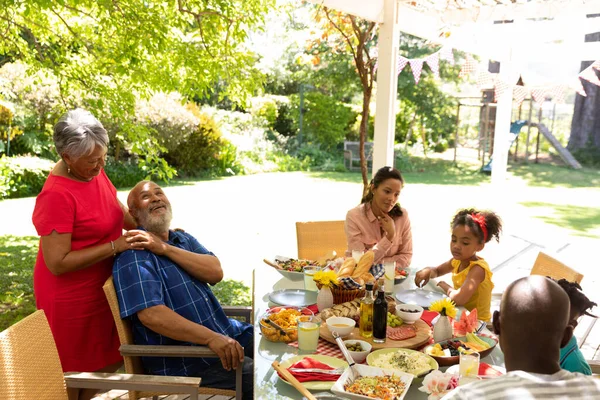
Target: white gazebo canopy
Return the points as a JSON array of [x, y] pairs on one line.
[[514, 32]]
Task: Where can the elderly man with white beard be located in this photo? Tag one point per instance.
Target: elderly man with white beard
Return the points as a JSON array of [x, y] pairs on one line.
[[162, 286]]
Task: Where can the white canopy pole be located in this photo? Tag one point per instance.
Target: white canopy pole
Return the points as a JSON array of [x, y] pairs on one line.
[[387, 85]]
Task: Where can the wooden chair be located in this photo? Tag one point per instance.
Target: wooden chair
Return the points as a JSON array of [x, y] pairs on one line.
[[30, 368], [548, 266], [131, 353], [316, 239]]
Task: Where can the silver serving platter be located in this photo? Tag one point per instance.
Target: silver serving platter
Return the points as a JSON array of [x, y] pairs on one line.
[[420, 297], [293, 297]]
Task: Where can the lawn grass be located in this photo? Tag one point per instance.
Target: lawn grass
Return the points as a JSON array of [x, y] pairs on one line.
[[421, 170], [16, 278], [583, 221], [547, 175]]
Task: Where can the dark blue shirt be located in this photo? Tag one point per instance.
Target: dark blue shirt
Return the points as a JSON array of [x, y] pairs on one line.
[[143, 279]]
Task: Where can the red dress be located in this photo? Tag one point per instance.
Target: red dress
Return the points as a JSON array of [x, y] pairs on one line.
[[74, 302]]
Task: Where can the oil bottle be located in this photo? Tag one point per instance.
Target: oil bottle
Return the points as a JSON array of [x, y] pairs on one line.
[[366, 312]]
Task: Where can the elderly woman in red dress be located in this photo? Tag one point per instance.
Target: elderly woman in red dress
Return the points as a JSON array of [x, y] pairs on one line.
[[80, 222], [379, 223]]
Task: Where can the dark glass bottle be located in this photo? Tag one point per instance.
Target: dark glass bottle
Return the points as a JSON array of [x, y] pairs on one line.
[[380, 315]]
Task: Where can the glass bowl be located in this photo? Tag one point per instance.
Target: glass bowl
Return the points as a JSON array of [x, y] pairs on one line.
[[286, 318]]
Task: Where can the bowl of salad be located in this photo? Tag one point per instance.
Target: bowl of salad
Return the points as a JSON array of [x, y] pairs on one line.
[[291, 268], [373, 383]]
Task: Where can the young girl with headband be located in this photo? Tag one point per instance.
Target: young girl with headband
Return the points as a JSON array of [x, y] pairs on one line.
[[471, 274]]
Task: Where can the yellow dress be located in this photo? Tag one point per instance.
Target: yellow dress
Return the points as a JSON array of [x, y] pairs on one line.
[[482, 298]]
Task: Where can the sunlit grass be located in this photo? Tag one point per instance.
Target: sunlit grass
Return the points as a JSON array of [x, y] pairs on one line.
[[583, 221], [546, 175], [16, 278]]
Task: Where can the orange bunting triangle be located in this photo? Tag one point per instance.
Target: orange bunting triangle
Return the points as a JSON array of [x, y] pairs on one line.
[[466, 323]]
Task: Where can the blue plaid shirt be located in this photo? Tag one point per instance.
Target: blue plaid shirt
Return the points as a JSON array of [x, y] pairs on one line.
[[143, 279]]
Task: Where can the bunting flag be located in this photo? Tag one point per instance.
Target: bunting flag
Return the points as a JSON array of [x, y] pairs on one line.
[[539, 95], [469, 66], [520, 93], [447, 54], [402, 61], [417, 67], [557, 93], [433, 61], [484, 79], [501, 86], [590, 75]]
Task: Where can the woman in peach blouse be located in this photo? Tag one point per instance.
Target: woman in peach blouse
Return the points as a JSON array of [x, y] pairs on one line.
[[379, 223]]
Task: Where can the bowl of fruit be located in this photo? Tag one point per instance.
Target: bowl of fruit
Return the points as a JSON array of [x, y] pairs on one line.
[[447, 352], [400, 277]]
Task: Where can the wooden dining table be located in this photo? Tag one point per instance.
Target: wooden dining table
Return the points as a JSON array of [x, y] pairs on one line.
[[267, 384]]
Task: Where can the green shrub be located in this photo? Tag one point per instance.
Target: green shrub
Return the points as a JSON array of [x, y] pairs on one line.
[[124, 175], [284, 123], [230, 292], [588, 156], [170, 119], [23, 176], [326, 121], [205, 152]]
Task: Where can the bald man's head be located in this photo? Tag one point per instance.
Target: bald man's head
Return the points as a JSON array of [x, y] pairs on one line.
[[150, 207], [533, 318]]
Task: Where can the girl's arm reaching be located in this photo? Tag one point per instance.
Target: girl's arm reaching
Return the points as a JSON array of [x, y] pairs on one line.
[[427, 273], [462, 295]]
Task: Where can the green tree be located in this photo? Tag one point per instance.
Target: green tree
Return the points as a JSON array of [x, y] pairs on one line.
[[116, 51]]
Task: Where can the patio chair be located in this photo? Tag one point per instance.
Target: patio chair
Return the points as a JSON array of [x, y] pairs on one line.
[[548, 266], [131, 353], [30, 368], [316, 239]]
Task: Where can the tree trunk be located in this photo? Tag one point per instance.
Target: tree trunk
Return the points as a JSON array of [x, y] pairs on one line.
[[364, 123], [585, 126]]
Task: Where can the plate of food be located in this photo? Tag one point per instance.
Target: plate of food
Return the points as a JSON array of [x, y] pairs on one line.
[[373, 383], [447, 352], [410, 361], [333, 362], [291, 268], [400, 277]]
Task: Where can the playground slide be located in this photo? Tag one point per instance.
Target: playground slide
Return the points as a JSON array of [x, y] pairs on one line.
[[515, 129]]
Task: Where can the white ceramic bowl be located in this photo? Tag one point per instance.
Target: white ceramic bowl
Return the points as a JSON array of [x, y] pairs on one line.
[[365, 370], [409, 317], [359, 356], [342, 325]]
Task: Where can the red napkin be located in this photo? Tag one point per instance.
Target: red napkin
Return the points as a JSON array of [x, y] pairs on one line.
[[313, 308], [488, 370], [428, 316], [308, 362]]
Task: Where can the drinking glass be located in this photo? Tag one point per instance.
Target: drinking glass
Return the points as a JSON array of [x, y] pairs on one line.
[[308, 333], [309, 283], [468, 365], [357, 254], [390, 274]]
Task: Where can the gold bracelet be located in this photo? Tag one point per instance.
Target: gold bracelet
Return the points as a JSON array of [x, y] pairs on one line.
[[112, 244]]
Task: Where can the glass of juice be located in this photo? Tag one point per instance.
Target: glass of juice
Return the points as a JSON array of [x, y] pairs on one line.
[[468, 365], [308, 333], [309, 283], [390, 275]]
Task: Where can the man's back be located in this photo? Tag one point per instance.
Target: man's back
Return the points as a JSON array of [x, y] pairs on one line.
[[523, 385]]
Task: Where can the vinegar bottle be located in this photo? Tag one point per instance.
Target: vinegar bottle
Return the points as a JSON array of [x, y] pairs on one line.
[[380, 315], [366, 312]]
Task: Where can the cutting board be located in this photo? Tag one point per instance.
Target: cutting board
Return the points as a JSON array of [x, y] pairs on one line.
[[422, 338]]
